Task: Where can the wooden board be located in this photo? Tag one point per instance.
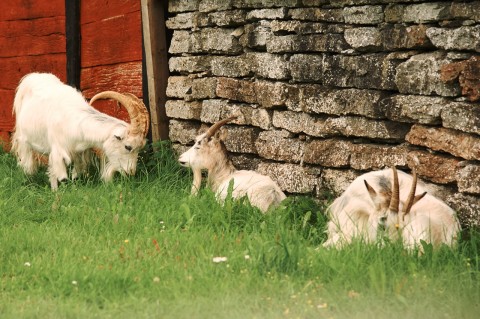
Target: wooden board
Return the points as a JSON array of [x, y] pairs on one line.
[[121, 77], [13, 69], [112, 41], [106, 9], [29, 9], [157, 65]]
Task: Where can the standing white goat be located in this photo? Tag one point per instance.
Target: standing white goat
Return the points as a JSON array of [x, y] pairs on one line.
[[376, 202], [209, 153], [55, 119]]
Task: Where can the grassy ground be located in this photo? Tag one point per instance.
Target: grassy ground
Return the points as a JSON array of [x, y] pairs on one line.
[[143, 248]]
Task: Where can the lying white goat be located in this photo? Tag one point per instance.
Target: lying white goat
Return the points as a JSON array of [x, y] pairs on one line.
[[210, 153], [55, 119], [375, 202]]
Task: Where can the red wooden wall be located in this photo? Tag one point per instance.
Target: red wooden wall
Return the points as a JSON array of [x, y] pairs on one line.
[[32, 39], [111, 50]]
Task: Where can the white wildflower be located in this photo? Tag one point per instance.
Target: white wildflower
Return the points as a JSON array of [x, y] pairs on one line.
[[219, 259]]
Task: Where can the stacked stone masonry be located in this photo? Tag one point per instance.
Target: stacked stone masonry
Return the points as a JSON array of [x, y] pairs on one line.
[[328, 90]]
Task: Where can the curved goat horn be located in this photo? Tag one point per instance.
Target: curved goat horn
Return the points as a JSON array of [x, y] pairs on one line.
[[215, 127], [139, 117], [395, 199], [411, 195]]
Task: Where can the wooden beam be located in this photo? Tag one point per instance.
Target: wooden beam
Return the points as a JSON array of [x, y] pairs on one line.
[[155, 45], [72, 31]]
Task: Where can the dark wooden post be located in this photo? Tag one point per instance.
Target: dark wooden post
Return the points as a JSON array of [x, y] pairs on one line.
[[72, 30], [155, 45]]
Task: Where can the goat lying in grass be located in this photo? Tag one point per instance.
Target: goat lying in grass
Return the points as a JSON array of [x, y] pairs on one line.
[[375, 202], [209, 153], [55, 119]]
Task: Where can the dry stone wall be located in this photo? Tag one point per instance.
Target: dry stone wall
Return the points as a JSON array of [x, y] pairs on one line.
[[327, 90]]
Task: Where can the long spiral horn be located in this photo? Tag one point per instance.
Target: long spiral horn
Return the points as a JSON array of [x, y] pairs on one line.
[[139, 117], [215, 127], [395, 199]]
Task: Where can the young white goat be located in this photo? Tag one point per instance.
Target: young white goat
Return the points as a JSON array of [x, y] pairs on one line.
[[55, 119], [375, 202], [209, 153]]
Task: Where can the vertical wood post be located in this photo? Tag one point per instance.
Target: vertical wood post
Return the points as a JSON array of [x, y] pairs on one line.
[[72, 31], [155, 44]]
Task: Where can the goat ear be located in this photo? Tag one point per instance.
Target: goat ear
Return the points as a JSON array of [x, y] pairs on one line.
[[418, 197], [373, 194]]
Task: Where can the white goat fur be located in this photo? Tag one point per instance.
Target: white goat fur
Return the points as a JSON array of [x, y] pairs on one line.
[[55, 119], [210, 153], [354, 214]]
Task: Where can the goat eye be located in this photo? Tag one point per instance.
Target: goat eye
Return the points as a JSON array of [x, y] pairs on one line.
[[128, 148], [118, 137]]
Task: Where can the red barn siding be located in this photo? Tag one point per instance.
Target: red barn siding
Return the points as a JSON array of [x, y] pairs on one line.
[[32, 38], [111, 50]]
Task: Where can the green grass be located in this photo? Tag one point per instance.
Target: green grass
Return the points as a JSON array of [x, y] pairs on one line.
[[143, 247]]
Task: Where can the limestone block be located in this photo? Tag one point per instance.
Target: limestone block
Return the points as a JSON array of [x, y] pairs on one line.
[[322, 100], [183, 5], [337, 180], [463, 117], [451, 141], [363, 15], [269, 66], [181, 109], [280, 146], [468, 179], [206, 40], [279, 27], [299, 122], [187, 20], [328, 152], [241, 139], [227, 18], [421, 75], [374, 157], [183, 131], [190, 64], [244, 161], [267, 14], [463, 38], [215, 110], [265, 3], [364, 39], [415, 108], [434, 167], [214, 5], [191, 89], [467, 11], [418, 13], [231, 66], [317, 14], [399, 36], [290, 177], [468, 74], [467, 208], [256, 35], [307, 43]]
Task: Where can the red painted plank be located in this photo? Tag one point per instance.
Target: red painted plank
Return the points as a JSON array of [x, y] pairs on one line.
[[105, 9], [112, 108], [112, 41], [7, 120], [123, 77], [13, 69], [26, 44], [31, 9]]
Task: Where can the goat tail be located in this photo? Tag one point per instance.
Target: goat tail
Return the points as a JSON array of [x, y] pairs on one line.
[[22, 90]]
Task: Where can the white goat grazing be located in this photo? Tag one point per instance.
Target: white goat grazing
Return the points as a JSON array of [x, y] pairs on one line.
[[372, 205], [55, 119], [209, 153]]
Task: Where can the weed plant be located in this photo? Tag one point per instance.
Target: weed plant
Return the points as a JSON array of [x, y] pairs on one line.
[[142, 247]]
